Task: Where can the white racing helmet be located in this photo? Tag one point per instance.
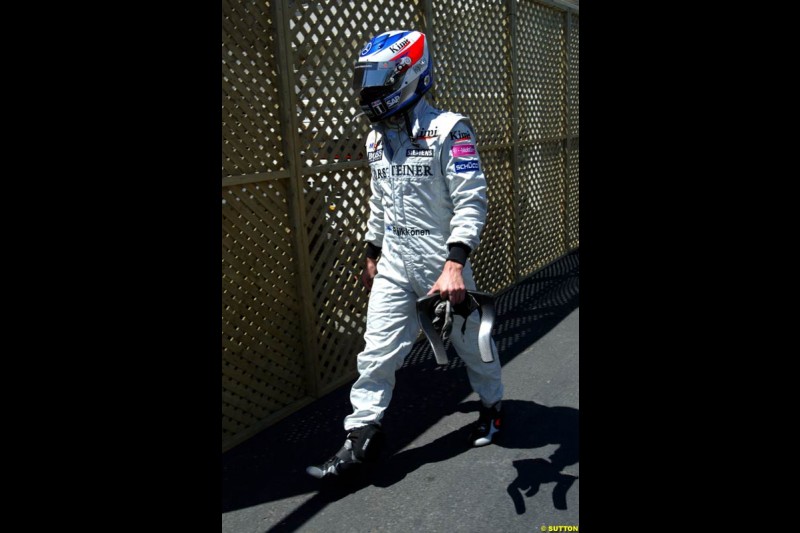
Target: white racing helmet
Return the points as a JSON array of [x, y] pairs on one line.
[[392, 73]]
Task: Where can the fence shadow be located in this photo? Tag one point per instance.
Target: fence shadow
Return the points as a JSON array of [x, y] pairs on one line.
[[271, 465]]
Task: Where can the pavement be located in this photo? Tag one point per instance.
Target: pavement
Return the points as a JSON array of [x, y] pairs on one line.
[[429, 478]]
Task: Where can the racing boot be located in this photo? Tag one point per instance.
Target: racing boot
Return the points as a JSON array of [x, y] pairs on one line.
[[487, 426], [362, 445]]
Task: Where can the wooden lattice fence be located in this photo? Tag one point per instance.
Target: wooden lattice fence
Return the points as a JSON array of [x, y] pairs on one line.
[[295, 181]]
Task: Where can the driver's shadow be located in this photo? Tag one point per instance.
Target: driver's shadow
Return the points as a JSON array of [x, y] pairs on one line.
[[531, 474], [526, 425], [533, 426]]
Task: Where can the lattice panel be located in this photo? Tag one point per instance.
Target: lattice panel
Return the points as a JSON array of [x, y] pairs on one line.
[[573, 196], [573, 77], [491, 261], [337, 211], [541, 209], [541, 72], [264, 365], [262, 361], [472, 69], [327, 38], [251, 138]]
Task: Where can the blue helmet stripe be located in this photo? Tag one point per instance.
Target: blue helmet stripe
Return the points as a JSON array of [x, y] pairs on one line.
[[382, 41]]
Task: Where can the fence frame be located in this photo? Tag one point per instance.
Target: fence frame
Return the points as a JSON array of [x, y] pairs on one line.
[[295, 172]]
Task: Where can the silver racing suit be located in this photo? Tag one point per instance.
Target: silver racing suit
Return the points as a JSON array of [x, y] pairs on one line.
[[428, 191]]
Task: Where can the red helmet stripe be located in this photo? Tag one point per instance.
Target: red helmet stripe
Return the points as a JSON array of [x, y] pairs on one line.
[[414, 52]]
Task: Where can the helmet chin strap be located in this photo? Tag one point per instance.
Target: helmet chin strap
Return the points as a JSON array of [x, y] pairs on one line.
[[407, 118], [395, 120], [408, 123]]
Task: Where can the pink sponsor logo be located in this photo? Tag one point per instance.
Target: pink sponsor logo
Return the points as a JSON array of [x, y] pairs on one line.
[[462, 150]]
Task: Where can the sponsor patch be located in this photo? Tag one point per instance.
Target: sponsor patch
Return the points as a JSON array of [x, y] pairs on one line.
[[426, 134], [377, 155], [378, 107], [462, 150], [366, 49], [392, 100], [416, 152], [458, 135], [403, 170], [467, 166]]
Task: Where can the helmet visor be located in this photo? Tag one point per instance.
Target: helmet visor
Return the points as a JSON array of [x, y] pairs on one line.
[[382, 75]]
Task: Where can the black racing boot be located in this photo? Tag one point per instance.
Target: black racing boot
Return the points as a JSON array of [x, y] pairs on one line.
[[362, 445], [487, 426]]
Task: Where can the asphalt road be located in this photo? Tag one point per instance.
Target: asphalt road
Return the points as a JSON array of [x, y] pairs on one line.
[[429, 479]]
